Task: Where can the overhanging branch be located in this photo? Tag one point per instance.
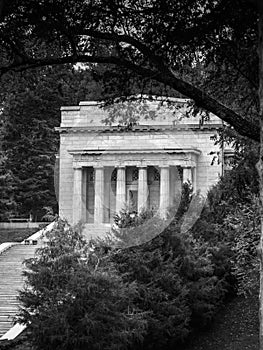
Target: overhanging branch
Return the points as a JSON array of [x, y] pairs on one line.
[[35, 63], [243, 126], [144, 49]]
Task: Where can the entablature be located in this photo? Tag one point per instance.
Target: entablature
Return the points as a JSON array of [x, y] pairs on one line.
[[143, 157]]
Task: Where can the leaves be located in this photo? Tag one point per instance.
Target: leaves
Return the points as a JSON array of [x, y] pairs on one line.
[[30, 112], [203, 50], [71, 302]]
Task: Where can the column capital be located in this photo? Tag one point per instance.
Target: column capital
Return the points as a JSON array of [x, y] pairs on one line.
[[77, 166]]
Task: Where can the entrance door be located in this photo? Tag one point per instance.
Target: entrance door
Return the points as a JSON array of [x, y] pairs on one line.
[[90, 195], [133, 200]]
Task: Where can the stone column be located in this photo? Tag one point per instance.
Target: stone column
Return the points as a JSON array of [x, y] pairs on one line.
[[164, 190], [172, 179], [84, 194], [142, 189], [107, 190], [99, 195], [194, 179], [120, 189], [77, 196], [187, 175]]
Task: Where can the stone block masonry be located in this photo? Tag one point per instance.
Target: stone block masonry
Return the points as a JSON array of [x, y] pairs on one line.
[[104, 168]]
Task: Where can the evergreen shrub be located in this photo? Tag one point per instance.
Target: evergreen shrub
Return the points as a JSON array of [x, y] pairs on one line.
[[182, 279], [75, 300], [141, 293]]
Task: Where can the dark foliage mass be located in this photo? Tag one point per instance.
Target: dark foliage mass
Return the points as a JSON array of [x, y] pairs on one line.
[[150, 296], [74, 300], [205, 50], [31, 105], [231, 218]]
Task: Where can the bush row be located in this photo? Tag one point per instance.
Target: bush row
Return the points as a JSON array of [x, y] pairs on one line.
[[151, 282]]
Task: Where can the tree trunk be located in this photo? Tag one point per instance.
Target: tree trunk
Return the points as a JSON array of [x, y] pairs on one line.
[[260, 169]]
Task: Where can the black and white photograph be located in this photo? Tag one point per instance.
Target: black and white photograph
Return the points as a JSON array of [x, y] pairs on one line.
[[131, 174]]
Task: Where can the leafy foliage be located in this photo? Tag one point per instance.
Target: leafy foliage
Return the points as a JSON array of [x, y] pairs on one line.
[[30, 112], [158, 291], [244, 223], [182, 279], [7, 203], [74, 299], [178, 287], [128, 113], [133, 229], [231, 220], [171, 284], [204, 50]]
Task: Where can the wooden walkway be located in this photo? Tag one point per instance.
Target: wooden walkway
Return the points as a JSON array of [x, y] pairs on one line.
[[11, 281]]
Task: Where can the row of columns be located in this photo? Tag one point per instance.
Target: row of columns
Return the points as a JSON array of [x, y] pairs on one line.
[[121, 188], [79, 188]]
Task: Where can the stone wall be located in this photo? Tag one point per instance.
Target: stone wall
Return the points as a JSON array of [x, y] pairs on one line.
[[82, 130]]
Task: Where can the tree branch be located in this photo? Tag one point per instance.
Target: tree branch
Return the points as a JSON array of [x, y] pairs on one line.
[[145, 50], [35, 63], [242, 125], [2, 2]]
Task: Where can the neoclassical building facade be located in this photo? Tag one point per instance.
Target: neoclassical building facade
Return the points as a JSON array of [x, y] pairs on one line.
[[104, 167]]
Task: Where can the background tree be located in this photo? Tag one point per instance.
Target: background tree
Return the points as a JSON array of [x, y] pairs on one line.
[[30, 112], [65, 281], [161, 41]]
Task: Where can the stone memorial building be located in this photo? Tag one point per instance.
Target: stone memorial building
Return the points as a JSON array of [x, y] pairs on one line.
[[106, 166]]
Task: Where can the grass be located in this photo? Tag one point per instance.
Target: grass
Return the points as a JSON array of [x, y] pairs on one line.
[[236, 327], [19, 343], [15, 235]]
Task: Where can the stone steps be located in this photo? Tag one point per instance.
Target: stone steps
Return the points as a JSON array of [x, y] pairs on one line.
[[95, 230], [11, 281]]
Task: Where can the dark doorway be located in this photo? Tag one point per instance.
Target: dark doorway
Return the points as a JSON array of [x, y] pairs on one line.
[[133, 200]]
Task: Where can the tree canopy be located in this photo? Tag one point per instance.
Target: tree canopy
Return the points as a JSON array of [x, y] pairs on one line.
[[205, 50], [30, 103]]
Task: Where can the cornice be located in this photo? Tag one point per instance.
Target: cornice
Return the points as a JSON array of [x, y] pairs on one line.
[[138, 128], [112, 150]]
